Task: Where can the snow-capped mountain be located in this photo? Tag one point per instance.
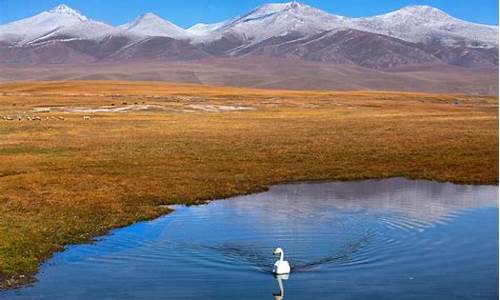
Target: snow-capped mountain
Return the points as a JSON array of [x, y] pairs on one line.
[[48, 21], [411, 36], [418, 24], [152, 25], [202, 29], [60, 23], [285, 45], [271, 20], [426, 24]]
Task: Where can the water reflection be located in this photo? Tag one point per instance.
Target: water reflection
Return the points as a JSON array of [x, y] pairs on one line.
[[423, 203], [279, 279], [338, 236]]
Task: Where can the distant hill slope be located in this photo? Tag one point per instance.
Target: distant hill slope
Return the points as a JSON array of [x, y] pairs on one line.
[[295, 34], [265, 72]]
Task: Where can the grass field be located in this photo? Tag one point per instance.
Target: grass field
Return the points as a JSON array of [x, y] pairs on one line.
[[65, 179]]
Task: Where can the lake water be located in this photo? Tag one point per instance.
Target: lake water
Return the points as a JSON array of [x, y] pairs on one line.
[[374, 239]]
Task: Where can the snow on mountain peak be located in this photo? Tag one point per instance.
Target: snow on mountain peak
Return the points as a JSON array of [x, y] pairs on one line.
[[273, 19], [147, 17], [419, 8], [294, 4], [423, 24], [60, 23], [202, 29], [281, 6], [150, 15], [423, 12], [416, 23], [272, 8], [153, 25], [26, 30], [66, 10]]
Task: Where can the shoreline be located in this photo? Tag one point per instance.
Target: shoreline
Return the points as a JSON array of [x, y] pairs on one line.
[[69, 176], [24, 280]]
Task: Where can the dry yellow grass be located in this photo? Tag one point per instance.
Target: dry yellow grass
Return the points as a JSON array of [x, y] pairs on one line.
[[66, 181]]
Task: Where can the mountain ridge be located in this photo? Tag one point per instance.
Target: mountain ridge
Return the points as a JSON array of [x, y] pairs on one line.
[[150, 24], [415, 39], [414, 23]]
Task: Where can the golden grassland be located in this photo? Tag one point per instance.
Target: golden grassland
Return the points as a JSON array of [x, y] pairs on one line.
[[67, 181]]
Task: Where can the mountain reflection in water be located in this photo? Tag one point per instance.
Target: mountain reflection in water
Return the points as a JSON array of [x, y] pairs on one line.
[[386, 239]]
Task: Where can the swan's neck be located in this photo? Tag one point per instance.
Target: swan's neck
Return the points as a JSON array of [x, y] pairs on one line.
[[282, 255]]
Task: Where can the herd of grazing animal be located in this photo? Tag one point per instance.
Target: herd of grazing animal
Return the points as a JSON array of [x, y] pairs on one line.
[[34, 118], [30, 118]]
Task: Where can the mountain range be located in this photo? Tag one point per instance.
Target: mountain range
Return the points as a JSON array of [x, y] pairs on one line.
[[414, 37]]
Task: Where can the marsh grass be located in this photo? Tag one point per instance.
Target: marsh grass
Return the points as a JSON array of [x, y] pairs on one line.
[[67, 181]]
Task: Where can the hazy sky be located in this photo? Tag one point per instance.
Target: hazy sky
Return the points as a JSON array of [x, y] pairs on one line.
[[186, 13]]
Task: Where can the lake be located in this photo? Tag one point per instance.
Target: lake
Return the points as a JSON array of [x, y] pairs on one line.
[[375, 239]]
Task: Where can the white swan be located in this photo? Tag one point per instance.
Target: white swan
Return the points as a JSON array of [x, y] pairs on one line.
[[280, 266]]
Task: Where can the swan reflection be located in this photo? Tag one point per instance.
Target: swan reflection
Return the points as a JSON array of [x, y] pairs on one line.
[[281, 294]]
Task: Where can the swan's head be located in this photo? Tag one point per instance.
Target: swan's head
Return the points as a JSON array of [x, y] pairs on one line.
[[278, 251]]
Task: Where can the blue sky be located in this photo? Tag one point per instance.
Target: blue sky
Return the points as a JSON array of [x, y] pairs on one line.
[[186, 13]]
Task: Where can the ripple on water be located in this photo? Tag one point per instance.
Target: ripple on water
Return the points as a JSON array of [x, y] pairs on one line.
[[375, 232]]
